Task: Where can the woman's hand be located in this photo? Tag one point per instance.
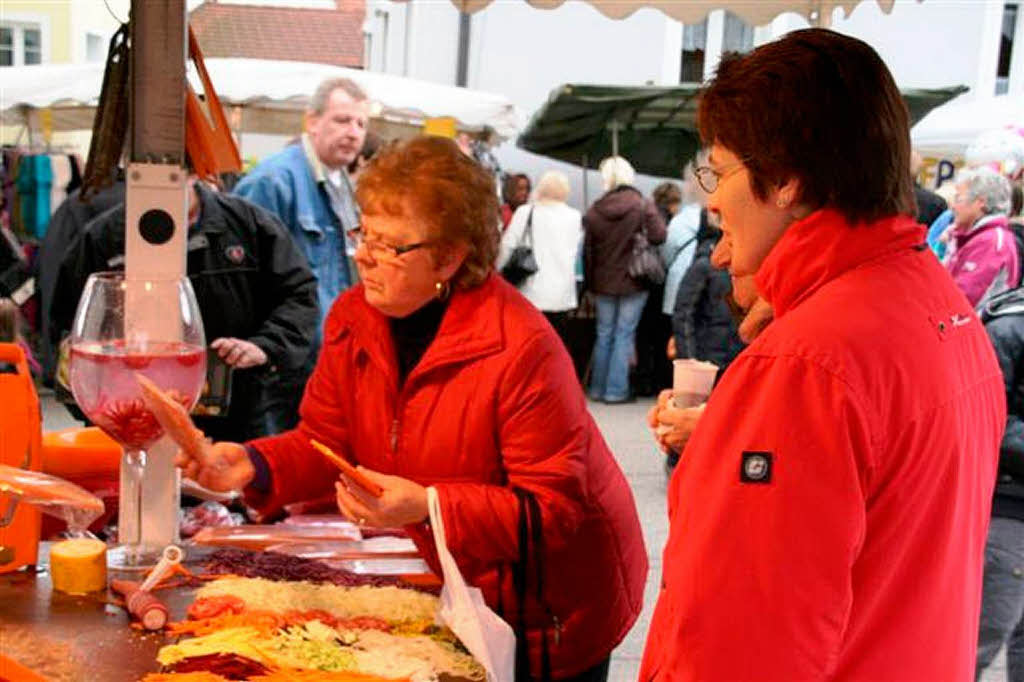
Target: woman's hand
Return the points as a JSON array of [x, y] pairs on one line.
[[758, 317], [404, 502], [225, 466], [672, 425]]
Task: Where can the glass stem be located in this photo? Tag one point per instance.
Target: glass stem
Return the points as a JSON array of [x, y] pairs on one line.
[[133, 463]]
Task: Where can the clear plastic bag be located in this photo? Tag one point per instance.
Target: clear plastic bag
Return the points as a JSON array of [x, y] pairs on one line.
[[257, 537], [207, 515]]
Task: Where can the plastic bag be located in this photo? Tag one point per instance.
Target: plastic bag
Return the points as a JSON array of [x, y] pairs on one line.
[[207, 515], [489, 638]]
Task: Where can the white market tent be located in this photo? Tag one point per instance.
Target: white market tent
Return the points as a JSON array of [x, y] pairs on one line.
[[754, 12], [947, 131], [262, 96]]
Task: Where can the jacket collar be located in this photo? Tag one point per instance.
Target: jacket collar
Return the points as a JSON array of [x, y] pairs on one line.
[[211, 219], [817, 249], [471, 328], [1007, 303], [988, 222]]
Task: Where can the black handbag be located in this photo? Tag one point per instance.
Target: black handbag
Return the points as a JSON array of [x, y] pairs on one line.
[[521, 264], [645, 264]]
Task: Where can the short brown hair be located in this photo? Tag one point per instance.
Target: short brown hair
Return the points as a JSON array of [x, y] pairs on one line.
[[428, 178], [8, 321], [666, 194], [318, 102], [819, 107]]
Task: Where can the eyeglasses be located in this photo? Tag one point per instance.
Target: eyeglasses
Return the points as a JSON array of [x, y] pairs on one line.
[[378, 249], [708, 178]]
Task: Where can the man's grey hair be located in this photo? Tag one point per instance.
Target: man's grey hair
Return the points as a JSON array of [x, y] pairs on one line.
[[318, 103], [987, 185]]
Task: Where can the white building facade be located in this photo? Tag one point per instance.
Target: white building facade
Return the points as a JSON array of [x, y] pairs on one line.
[[525, 52]]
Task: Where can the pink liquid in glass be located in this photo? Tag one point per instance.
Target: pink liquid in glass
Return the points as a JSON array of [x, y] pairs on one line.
[[103, 382]]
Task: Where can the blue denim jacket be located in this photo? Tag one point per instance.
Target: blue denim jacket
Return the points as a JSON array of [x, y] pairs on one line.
[[288, 185]]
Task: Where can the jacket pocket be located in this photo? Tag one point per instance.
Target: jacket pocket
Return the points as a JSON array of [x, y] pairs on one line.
[[314, 242]]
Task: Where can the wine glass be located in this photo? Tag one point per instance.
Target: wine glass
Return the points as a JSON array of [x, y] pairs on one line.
[[124, 327]]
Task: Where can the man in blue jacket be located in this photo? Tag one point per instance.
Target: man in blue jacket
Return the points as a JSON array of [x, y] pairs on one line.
[[307, 186]]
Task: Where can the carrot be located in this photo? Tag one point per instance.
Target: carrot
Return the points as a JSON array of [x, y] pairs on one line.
[[264, 621], [350, 471], [289, 675]]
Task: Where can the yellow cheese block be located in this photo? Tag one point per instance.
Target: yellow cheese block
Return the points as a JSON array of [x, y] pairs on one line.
[[78, 566]]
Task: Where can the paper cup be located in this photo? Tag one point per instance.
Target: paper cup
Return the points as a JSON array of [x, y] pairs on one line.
[[692, 381]]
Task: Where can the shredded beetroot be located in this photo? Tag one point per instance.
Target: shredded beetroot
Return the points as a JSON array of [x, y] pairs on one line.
[[275, 566], [231, 666]]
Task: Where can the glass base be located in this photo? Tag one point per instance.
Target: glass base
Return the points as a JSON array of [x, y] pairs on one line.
[[132, 557]]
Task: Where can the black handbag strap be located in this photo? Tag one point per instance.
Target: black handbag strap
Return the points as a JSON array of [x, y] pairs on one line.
[[528, 232], [531, 540]]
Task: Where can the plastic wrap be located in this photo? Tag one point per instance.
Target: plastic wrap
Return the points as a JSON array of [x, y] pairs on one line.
[[258, 537], [375, 556], [54, 496], [207, 515]]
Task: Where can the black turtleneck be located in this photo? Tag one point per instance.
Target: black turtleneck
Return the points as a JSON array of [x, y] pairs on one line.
[[414, 333]]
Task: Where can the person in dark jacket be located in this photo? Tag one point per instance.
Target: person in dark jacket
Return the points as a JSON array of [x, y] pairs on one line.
[[67, 223], [1002, 601], [255, 291], [703, 323], [929, 204], [609, 228]]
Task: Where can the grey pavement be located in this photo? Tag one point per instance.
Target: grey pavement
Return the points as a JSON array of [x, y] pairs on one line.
[[625, 430]]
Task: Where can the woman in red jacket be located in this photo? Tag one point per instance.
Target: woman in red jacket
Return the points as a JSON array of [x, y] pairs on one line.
[[829, 513], [435, 372]]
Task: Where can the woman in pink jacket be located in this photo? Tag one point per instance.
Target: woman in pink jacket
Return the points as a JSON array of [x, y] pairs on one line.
[[829, 513], [436, 372], [985, 261]]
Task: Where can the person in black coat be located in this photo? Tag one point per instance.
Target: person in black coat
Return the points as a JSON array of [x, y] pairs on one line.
[[1002, 603], [703, 324], [255, 291]]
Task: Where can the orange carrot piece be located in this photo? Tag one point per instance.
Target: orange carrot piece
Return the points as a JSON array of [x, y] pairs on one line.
[[350, 471]]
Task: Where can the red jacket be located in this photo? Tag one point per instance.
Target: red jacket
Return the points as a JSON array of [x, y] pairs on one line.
[[829, 514], [493, 403]]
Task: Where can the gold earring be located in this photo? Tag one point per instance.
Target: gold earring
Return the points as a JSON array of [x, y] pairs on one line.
[[444, 290], [781, 203]]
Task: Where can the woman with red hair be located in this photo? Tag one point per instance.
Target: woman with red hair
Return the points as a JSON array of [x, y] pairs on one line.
[[436, 372]]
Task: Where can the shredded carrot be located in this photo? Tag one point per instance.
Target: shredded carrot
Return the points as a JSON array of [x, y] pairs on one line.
[[291, 675], [264, 621], [201, 676]]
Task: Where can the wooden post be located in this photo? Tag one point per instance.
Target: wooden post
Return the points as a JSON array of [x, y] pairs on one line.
[[156, 223]]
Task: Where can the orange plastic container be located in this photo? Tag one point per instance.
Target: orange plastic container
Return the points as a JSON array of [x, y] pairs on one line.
[[20, 446], [88, 458], [81, 454]]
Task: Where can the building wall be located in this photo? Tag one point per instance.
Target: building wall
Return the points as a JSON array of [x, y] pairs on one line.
[[524, 52], [93, 18], [932, 44], [52, 17]]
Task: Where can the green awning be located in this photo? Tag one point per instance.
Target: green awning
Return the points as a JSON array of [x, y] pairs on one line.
[[657, 130]]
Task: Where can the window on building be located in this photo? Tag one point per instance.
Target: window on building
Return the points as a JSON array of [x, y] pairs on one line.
[[20, 43], [738, 35], [6, 46], [94, 50], [695, 42], [1010, 13], [33, 45]]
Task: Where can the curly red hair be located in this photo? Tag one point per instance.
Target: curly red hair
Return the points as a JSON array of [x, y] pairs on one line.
[[430, 179]]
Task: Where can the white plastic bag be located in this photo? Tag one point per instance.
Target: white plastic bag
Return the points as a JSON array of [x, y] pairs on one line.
[[490, 639]]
